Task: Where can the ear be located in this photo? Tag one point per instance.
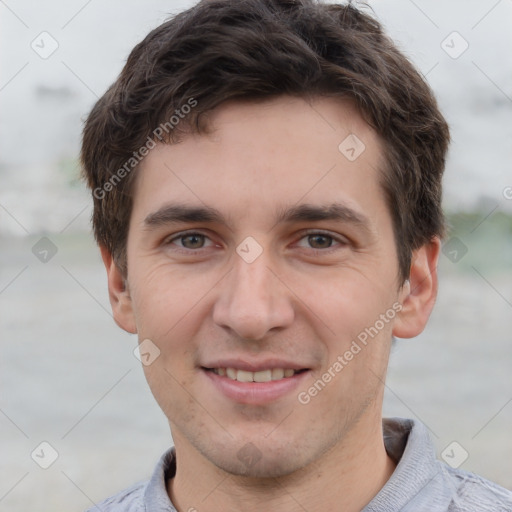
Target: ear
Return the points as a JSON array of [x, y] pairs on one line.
[[419, 293], [119, 294]]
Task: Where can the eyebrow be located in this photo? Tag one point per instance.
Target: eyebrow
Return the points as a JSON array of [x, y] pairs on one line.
[[333, 211], [179, 213]]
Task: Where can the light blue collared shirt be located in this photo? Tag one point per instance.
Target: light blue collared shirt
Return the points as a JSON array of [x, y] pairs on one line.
[[420, 482]]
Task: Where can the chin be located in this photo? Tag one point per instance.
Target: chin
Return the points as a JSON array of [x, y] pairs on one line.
[[260, 457], [260, 465]]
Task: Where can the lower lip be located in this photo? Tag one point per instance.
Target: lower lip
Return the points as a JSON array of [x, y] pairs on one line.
[[255, 393]]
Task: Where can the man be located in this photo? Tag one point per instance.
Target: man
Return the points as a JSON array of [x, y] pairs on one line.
[[266, 177]]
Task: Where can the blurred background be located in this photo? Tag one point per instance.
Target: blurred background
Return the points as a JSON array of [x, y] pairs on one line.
[[68, 375]]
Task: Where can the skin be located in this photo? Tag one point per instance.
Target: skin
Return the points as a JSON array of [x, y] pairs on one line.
[[304, 299]]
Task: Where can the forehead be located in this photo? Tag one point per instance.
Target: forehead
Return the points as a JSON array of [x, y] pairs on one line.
[[260, 157]]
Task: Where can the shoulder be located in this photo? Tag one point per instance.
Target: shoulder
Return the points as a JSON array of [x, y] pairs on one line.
[[148, 496], [129, 500], [476, 494]]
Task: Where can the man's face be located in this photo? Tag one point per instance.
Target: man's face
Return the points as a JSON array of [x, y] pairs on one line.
[[265, 247]]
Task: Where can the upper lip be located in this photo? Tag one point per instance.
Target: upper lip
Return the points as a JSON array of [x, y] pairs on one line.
[[254, 366]]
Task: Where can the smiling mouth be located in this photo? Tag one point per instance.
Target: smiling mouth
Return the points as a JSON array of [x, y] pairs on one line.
[[259, 376]]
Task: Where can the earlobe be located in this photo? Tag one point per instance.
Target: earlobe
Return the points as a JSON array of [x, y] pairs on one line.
[[119, 294], [419, 292]]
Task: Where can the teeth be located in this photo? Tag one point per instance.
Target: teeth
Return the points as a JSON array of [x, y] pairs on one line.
[[261, 376], [243, 376], [277, 373]]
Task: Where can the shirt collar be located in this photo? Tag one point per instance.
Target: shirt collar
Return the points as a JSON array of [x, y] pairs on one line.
[[418, 478], [156, 498]]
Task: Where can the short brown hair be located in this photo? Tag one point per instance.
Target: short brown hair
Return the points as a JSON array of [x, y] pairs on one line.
[[223, 50]]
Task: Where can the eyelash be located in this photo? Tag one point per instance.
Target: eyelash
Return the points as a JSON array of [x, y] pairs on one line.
[[169, 241], [336, 239], [339, 240]]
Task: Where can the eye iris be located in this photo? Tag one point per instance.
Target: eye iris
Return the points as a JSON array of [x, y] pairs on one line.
[[193, 241], [320, 241]]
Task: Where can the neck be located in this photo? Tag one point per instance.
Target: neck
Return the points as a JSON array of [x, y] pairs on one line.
[[345, 478]]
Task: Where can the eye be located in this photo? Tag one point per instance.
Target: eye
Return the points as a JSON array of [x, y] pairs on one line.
[[321, 241], [190, 241]]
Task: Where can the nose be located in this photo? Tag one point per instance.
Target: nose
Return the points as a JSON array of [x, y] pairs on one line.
[[253, 301]]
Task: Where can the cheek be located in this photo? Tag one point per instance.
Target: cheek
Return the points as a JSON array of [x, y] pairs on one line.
[[358, 339], [167, 383], [170, 313], [165, 300], [346, 302]]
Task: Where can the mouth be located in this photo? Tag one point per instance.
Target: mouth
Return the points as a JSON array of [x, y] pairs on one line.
[[260, 387], [268, 375]]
